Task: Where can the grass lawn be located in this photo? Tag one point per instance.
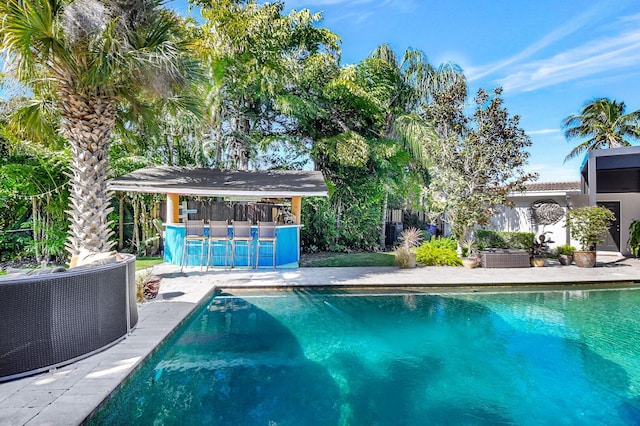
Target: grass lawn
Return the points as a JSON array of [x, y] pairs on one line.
[[347, 259], [147, 262]]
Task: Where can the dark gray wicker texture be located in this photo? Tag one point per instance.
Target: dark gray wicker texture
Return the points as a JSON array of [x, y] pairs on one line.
[[505, 259], [50, 320]]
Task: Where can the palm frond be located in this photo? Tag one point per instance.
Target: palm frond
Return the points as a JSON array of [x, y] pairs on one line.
[[416, 135], [605, 125]]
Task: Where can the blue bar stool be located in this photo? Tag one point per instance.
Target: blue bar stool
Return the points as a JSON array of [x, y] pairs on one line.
[[266, 234], [218, 233], [193, 234], [241, 234]]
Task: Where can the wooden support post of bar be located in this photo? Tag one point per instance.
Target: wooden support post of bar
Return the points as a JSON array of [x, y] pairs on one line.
[[296, 208], [173, 208]]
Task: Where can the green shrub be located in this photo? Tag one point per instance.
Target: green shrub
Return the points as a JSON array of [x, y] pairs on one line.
[[358, 229], [426, 235], [634, 238], [486, 238], [435, 253], [566, 249], [448, 243]]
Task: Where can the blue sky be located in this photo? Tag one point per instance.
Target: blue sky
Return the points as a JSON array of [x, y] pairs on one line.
[[550, 56]]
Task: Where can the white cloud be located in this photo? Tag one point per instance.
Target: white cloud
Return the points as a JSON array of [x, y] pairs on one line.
[[603, 57], [312, 3], [575, 24], [354, 17], [543, 131], [617, 53]]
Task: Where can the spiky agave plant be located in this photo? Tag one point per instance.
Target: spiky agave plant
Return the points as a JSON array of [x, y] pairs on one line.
[[409, 239]]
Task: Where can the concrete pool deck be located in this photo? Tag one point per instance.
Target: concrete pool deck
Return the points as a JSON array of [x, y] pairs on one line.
[[68, 395]]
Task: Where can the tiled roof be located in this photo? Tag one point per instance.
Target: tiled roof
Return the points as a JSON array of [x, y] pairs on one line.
[[553, 186]]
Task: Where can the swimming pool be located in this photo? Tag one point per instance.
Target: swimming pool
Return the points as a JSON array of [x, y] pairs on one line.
[[306, 358]]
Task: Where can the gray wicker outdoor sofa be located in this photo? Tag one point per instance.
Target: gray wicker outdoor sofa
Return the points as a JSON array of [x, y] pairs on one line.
[[498, 258], [54, 319]]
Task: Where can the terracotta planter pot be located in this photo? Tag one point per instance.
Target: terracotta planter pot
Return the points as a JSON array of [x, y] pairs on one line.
[[565, 259], [537, 261], [412, 261], [585, 259]]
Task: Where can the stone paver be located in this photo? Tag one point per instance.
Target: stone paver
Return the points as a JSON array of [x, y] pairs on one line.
[[68, 395]]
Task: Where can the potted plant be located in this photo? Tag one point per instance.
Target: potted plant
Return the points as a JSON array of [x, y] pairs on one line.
[[469, 254], [634, 238], [565, 254], [589, 226], [539, 250], [409, 239]]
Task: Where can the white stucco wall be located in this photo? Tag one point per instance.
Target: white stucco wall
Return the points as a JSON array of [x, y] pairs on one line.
[[517, 219]]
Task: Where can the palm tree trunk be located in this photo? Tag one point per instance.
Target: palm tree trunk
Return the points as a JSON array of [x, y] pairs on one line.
[[87, 121]]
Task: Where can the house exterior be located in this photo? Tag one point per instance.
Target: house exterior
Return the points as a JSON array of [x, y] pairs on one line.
[[541, 208], [609, 177]]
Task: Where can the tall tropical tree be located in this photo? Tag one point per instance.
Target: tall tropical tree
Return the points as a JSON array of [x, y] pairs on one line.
[[91, 59], [602, 123], [404, 88], [255, 55]]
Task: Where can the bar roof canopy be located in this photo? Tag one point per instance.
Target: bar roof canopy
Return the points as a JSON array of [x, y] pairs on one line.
[[222, 183]]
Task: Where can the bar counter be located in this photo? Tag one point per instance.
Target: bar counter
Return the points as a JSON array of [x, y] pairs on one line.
[[287, 249]]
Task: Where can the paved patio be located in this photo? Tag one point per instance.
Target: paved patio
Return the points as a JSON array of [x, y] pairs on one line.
[[68, 395]]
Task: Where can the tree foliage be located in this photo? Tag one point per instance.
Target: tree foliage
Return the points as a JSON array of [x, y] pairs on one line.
[[116, 86], [34, 197], [589, 225], [257, 57], [477, 160]]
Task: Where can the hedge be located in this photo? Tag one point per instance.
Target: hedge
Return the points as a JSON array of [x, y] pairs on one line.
[[486, 238]]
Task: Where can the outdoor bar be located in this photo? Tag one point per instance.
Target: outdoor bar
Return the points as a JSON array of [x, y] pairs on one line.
[[234, 187]]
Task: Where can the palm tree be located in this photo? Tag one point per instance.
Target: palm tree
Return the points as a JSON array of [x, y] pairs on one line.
[[93, 59], [604, 124], [405, 88]]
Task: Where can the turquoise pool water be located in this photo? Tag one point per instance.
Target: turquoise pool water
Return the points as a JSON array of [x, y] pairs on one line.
[[567, 357]]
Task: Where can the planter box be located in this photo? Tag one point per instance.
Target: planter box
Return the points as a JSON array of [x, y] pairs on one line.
[[505, 259]]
